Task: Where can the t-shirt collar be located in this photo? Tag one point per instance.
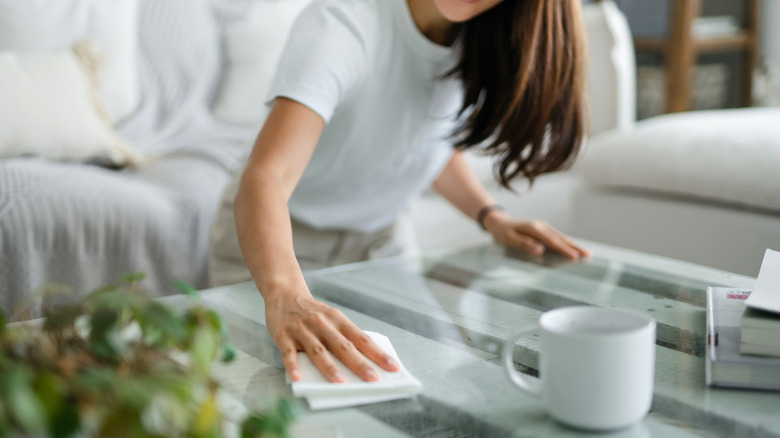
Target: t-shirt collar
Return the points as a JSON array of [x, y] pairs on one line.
[[416, 38]]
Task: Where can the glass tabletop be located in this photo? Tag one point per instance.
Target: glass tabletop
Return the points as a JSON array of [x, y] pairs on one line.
[[447, 313]]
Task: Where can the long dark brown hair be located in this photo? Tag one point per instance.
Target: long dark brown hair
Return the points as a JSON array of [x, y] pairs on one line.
[[522, 65]]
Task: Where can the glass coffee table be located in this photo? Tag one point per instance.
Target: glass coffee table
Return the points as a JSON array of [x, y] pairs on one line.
[[447, 313]]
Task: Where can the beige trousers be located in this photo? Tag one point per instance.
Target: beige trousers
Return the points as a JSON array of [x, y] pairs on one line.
[[313, 248]]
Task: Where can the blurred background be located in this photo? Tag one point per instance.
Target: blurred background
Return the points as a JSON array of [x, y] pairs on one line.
[[704, 48]]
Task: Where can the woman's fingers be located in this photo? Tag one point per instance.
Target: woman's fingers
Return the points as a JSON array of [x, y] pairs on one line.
[[354, 348], [368, 347], [551, 240], [525, 243], [327, 335], [541, 231], [347, 353], [289, 358], [583, 252], [319, 356], [534, 236]]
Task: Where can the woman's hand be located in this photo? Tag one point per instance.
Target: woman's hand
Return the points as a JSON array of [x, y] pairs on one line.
[[533, 237], [299, 322]]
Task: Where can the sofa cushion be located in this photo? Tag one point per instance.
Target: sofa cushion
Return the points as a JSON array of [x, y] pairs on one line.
[[59, 24], [48, 109], [611, 68], [254, 47], [730, 156]]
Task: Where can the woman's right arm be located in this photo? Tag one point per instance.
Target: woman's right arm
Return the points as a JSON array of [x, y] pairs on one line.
[[296, 321]]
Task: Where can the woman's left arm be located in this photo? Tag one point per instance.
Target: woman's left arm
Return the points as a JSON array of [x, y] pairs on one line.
[[460, 186]]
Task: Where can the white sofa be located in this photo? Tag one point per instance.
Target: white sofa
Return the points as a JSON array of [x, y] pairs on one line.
[[700, 186], [66, 221]]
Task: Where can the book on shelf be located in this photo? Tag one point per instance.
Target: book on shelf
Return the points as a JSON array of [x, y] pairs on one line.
[[760, 323], [715, 26], [725, 366]]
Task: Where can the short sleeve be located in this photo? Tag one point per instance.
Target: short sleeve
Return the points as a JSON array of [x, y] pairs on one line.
[[326, 55]]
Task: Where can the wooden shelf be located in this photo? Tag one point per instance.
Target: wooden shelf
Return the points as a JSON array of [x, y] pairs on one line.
[[742, 40], [680, 50]]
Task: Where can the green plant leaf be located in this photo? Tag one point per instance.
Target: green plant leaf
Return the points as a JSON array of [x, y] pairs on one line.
[[62, 317], [5, 425], [184, 287], [133, 277], [204, 348], [65, 422], [124, 422], [50, 390], [273, 423], [103, 289], [137, 392], [161, 326], [181, 388], [196, 318], [22, 404], [286, 410], [62, 413], [113, 297], [97, 382], [207, 420], [103, 334], [217, 323], [263, 426], [102, 321], [104, 377], [228, 352]]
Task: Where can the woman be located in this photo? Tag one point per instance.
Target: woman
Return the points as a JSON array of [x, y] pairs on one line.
[[368, 101]]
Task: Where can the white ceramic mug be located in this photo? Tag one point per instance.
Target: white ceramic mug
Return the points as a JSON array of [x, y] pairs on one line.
[[596, 366]]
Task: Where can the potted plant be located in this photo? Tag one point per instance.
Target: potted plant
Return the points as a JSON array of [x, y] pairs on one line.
[[120, 364]]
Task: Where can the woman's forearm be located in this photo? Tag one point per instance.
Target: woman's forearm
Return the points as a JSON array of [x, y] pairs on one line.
[[280, 155], [458, 184], [265, 235]]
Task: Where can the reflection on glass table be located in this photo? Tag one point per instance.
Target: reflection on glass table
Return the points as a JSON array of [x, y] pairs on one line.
[[447, 313]]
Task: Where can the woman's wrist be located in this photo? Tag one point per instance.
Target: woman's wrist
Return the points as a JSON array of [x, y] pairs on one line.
[[274, 288], [487, 212], [494, 218]]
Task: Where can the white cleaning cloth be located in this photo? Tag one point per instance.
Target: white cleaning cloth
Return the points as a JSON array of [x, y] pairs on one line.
[[322, 394]]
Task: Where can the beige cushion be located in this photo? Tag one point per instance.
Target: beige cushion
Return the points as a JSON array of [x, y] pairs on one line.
[[723, 155], [111, 26], [48, 109]]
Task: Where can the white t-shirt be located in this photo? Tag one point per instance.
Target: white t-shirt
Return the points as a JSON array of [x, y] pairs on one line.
[[367, 70]]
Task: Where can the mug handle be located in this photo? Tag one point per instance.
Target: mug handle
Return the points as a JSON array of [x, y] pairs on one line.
[[531, 387]]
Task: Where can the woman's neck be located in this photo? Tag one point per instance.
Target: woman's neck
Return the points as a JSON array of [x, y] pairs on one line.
[[431, 23]]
